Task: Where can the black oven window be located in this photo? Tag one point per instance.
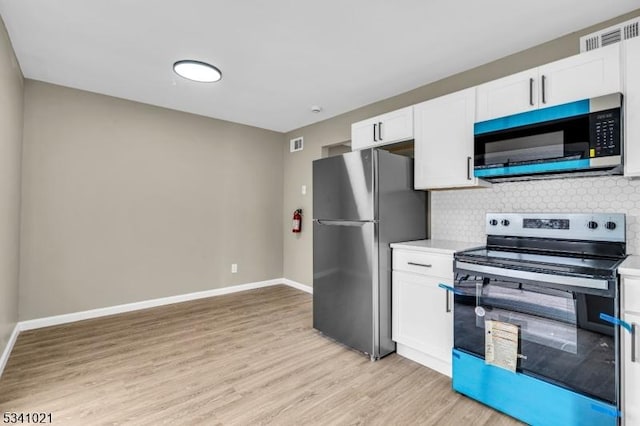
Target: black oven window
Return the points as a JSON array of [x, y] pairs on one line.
[[561, 339]]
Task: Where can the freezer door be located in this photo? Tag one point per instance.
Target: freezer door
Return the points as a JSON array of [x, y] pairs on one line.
[[343, 187], [344, 261]]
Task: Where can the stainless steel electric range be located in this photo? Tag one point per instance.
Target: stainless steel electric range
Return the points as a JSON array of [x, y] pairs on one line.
[[546, 286]]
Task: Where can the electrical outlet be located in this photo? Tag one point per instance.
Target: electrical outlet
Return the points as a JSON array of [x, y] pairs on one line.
[[304, 190], [234, 268]]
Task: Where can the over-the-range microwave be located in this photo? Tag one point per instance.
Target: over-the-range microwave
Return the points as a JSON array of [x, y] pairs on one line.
[[578, 138]]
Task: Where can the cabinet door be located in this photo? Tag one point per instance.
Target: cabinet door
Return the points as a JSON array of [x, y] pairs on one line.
[[395, 126], [419, 315], [508, 95], [364, 134], [392, 127], [583, 76], [444, 142], [631, 72], [631, 374]]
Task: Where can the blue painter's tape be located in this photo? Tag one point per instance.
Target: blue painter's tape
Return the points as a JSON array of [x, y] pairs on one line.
[[532, 117], [527, 398], [616, 321], [612, 412], [552, 166], [451, 289]]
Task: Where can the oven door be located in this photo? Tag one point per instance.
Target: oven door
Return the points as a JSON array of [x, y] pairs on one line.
[[556, 343]]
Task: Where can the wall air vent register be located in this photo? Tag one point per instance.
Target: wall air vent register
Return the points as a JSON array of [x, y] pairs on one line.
[[611, 35], [296, 144]]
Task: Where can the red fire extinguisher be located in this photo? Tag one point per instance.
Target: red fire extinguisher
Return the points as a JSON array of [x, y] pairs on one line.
[[297, 221]]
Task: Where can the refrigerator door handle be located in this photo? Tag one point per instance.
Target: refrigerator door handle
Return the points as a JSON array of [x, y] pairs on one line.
[[343, 222]]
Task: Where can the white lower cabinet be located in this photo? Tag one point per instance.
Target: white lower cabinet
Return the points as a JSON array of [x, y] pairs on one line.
[[630, 347], [422, 317], [631, 372]]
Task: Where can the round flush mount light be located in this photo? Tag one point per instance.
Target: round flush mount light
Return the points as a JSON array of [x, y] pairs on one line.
[[316, 109], [197, 71]]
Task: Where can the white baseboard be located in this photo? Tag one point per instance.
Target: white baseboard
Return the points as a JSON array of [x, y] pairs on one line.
[[299, 286], [145, 304], [9, 347], [136, 306]]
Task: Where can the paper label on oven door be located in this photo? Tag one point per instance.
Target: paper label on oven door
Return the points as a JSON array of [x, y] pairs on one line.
[[501, 344]]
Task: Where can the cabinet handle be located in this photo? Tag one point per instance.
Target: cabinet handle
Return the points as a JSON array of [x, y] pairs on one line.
[[447, 302], [634, 355], [531, 91], [380, 130], [374, 132], [424, 265], [544, 89], [468, 168]]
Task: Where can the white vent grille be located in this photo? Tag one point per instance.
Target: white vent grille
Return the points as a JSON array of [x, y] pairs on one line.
[[611, 35], [296, 144], [631, 30], [592, 43]]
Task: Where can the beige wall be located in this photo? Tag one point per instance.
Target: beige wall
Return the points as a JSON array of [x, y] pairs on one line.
[[297, 166], [11, 102], [125, 202]]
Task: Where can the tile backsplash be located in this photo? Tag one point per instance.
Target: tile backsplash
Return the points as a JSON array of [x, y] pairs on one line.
[[460, 214]]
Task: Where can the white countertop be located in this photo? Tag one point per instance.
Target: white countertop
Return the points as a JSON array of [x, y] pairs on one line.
[[436, 246], [630, 266]]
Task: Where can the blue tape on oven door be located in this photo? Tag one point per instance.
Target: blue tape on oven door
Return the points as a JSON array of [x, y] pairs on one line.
[[616, 321], [451, 289], [606, 410]]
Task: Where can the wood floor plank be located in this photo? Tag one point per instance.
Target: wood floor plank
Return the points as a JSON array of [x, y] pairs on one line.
[[240, 359]]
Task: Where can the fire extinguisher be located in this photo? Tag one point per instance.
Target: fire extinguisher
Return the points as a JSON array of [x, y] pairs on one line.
[[297, 221]]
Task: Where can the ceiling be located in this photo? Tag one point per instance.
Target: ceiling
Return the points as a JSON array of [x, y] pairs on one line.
[[278, 57]]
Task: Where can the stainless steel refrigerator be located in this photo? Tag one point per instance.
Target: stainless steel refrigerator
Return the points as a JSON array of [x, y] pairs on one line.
[[362, 202]]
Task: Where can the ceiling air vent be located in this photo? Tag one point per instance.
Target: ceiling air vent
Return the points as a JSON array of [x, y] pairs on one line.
[[296, 144], [611, 35]]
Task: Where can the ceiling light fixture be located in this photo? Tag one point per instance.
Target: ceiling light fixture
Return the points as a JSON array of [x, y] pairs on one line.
[[197, 71]]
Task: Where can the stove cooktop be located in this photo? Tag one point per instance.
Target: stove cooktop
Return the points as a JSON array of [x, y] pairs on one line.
[[552, 263]]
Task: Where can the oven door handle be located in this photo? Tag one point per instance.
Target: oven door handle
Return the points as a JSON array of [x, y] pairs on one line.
[[616, 321]]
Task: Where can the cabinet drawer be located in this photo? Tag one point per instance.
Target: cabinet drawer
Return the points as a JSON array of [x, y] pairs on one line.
[[439, 265], [631, 294]]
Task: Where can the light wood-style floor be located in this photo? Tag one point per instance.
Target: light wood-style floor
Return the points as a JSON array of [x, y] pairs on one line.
[[245, 358]]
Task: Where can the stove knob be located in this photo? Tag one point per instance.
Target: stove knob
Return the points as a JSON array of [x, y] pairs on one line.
[[493, 222], [592, 225], [610, 226], [505, 222]]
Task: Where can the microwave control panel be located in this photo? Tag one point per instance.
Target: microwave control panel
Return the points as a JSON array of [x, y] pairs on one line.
[[605, 133]]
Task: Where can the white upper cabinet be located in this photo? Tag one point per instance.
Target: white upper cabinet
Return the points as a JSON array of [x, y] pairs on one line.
[[444, 142], [509, 95], [631, 99], [392, 127], [587, 75]]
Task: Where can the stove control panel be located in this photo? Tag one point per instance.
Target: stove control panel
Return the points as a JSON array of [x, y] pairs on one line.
[[576, 226]]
